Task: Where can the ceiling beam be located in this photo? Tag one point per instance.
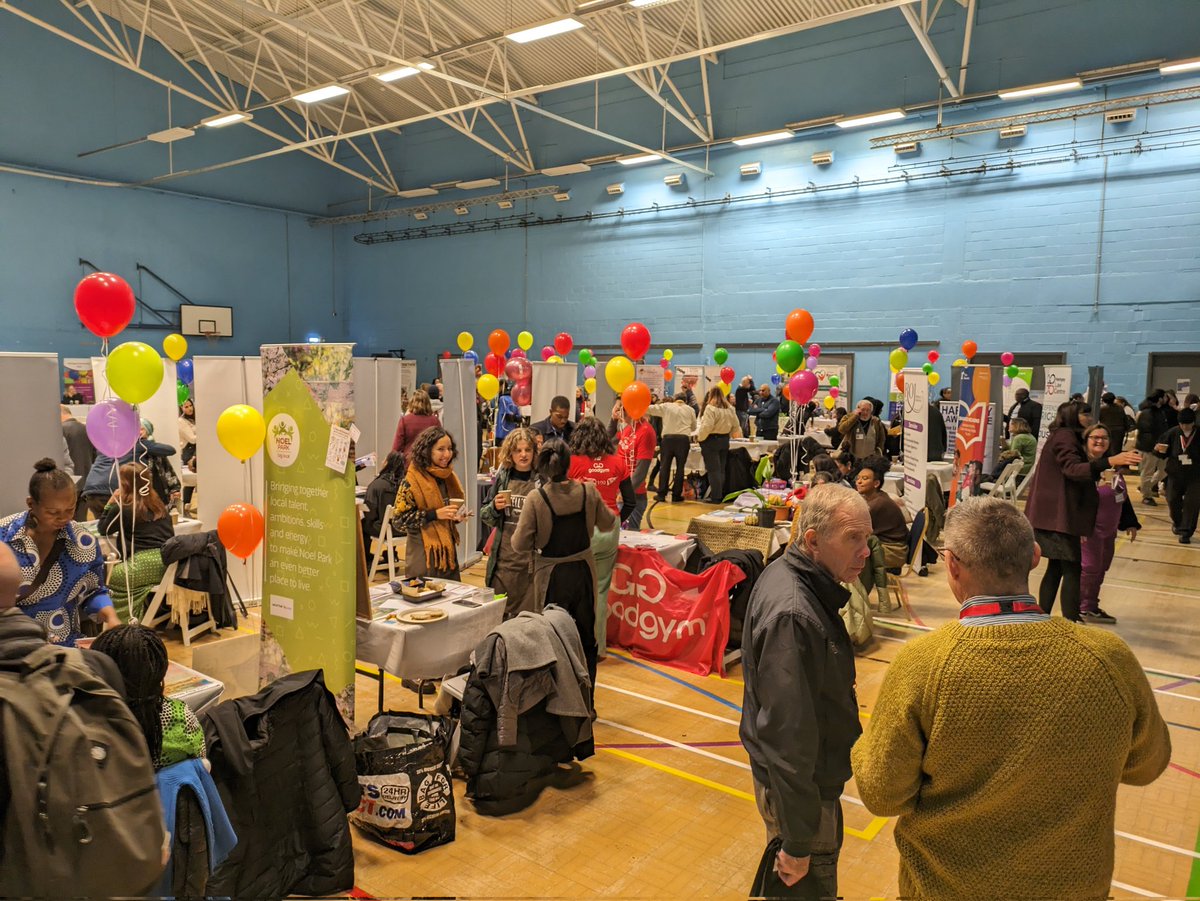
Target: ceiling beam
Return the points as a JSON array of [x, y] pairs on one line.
[[930, 51], [966, 51]]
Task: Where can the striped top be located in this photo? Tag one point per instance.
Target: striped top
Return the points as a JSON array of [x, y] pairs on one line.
[[998, 610]]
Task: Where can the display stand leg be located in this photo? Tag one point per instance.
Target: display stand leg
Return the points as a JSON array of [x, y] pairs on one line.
[[376, 675]]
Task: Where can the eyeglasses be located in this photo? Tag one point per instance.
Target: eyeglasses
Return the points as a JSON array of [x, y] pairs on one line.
[[944, 553]]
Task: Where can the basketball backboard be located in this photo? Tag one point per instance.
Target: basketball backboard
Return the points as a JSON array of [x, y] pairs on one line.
[[213, 322]]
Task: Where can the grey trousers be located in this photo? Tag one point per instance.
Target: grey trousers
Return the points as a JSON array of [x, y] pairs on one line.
[[1153, 469], [821, 881]]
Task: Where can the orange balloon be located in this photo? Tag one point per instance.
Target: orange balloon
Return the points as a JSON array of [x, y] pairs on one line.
[[900, 380], [668, 375], [787, 392], [799, 326], [636, 399], [969, 349], [498, 342], [240, 528]]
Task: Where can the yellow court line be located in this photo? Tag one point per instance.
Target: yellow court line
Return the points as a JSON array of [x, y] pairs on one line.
[[867, 834]]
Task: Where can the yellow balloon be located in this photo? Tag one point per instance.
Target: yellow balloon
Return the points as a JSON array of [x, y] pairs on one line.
[[724, 386], [488, 386], [175, 347], [934, 378], [619, 373], [959, 362], [241, 431], [524, 340], [555, 359], [589, 385], [465, 340], [134, 370], [830, 403], [780, 369], [668, 354]]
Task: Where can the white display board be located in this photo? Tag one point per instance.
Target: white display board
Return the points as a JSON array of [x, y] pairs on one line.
[[916, 439], [1058, 391], [460, 419], [382, 388], [652, 378], [221, 382], [162, 410], [549, 381], [30, 404], [605, 398]]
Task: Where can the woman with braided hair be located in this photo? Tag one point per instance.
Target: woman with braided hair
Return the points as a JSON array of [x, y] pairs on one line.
[[173, 734]]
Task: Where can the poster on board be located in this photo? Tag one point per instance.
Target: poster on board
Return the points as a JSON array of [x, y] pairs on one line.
[[651, 377], [309, 575], [1058, 391], [78, 386], [970, 440], [916, 439]]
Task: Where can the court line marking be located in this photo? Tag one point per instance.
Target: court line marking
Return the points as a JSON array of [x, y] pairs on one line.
[[1149, 841], [1184, 769], [1137, 891], [675, 744], [634, 694], [678, 681]]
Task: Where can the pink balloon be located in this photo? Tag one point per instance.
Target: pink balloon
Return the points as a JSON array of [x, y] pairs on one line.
[[814, 350], [517, 354], [803, 386], [522, 394], [664, 363], [589, 372], [1006, 358], [547, 353], [834, 392], [113, 427]]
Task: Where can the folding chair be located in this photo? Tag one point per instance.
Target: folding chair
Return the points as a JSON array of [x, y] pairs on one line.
[[387, 544], [152, 618], [916, 545], [1005, 484]]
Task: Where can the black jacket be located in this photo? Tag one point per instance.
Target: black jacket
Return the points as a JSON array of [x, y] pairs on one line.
[[800, 712], [937, 433], [1031, 412], [1184, 473], [1151, 423], [380, 493], [203, 566], [79, 445], [284, 766]]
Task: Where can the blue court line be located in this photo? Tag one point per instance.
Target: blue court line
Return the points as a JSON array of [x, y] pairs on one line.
[[657, 672]]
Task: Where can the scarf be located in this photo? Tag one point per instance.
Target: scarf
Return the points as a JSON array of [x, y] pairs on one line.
[[440, 536]]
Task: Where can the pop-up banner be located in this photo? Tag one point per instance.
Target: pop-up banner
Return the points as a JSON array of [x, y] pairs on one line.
[[970, 441], [916, 439], [309, 584], [664, 614]]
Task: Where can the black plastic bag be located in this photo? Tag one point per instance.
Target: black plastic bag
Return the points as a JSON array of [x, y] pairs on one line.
[[407, 796]]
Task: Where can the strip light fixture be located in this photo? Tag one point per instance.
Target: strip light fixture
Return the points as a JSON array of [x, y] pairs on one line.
[[1180, 65], [639, 159], [222, 119], [768, 137], [870, 119], [325, 92], [1038, 90], [642, 4], [389, 75], [547, 30]]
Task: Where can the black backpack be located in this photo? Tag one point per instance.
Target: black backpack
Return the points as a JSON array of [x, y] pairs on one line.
[[84, 816]]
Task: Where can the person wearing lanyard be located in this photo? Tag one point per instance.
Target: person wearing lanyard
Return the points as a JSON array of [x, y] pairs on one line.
[[509, 571], [1182, 451], [863, 435], [1115, 514], [558, 424], [999, 740]]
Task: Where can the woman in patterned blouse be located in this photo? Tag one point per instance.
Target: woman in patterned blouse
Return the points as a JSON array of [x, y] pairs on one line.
[[61, 564]]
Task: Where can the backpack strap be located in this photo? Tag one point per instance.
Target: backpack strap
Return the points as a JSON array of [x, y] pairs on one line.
[[43, 572]]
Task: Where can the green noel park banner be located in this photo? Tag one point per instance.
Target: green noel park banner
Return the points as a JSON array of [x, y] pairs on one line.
[[309, 571]]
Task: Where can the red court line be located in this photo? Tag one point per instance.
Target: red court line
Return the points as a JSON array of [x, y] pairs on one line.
[[690, 744], [1184, 769]]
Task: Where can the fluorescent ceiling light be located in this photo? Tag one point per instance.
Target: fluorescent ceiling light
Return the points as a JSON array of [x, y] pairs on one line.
[[316, 95], [765, 138], [569, 169], [403, 72], [1180, 65], [870, 119], [558, 26], [170, 135], [477, 183], [461, 210], [1037, 90], [675, 179], [638, 160], [420, 215], [641, 4], [504, 204], [417, 192], [222, 119], [562, 196]]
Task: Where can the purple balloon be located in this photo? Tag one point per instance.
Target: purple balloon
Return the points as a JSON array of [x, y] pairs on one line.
[[1007, 380], [812, 362], [803, 386], [589, 372], [113, 427]]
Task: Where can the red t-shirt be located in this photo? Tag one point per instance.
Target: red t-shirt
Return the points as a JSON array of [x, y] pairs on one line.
[[635, 448], [606, 473]]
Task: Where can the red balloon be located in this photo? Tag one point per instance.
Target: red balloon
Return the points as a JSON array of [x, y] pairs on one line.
[[517, 354], [494, 363], [518, 370], [104, 303], [445, 355], [933, 356], [969, 349], [636, 400], [563, 343], [498, 342], [664, 363], [522, 394], [240, 528], [727, 375], [799, 326], [635, 341]]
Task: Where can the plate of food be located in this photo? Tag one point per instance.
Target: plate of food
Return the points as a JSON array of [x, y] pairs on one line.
[[419, 590], [421, 617]]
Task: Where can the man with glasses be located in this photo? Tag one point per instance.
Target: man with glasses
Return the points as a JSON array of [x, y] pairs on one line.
[[1000, 739]]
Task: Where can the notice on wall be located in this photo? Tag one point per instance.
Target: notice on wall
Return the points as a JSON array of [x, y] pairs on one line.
[[311, 520], [949, 410], [1058, 391], [916, 439], [970, 440], [652, 378], [78, 384]]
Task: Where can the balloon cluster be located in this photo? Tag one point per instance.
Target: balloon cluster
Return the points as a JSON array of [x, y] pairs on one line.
[[620, 374], [1011, 369], [793, 362]]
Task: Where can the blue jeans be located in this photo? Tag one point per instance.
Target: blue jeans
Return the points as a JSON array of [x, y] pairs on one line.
[[639, 508]]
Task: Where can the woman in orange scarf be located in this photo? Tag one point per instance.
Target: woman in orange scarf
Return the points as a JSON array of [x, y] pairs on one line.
[[423, 507]]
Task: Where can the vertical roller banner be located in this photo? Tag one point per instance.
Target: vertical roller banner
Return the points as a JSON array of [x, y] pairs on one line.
[[311, 519], [1058, 392], [916, 439], [975, 383]]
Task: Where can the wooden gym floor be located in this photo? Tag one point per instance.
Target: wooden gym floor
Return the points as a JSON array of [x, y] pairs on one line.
[[668, 810]]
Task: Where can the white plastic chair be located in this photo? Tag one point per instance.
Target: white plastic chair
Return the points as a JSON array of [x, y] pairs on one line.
[[387, 545], [152, 618], [1005, 485]]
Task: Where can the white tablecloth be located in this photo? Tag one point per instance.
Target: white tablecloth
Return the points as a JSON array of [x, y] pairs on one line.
[[943, 472], [195, 689], [695, 460], [431, 650], [672, 548]]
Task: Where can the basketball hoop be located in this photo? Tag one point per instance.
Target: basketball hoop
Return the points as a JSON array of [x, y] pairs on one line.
[[209, 333]]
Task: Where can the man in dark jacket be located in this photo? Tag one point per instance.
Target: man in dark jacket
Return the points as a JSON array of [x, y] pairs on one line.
[[1182, 453], [767, 413], [1114, 418], [742, 399], [1151, 425], [83, 455], [800, 713], [937, 433], [558, 424], [1024, 408]]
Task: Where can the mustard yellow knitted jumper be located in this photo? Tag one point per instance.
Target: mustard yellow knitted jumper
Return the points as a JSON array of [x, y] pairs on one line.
[[1000, 748]]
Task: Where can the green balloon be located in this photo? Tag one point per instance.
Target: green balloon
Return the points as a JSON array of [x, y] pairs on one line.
[[181, 391], [789, 355], [834, 381], [586, 358], [927, 368], [1012, 371], [720, 355]]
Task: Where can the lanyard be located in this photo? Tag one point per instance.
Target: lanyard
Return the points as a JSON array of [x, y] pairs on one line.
[[1184, 445], [1001, 605]]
